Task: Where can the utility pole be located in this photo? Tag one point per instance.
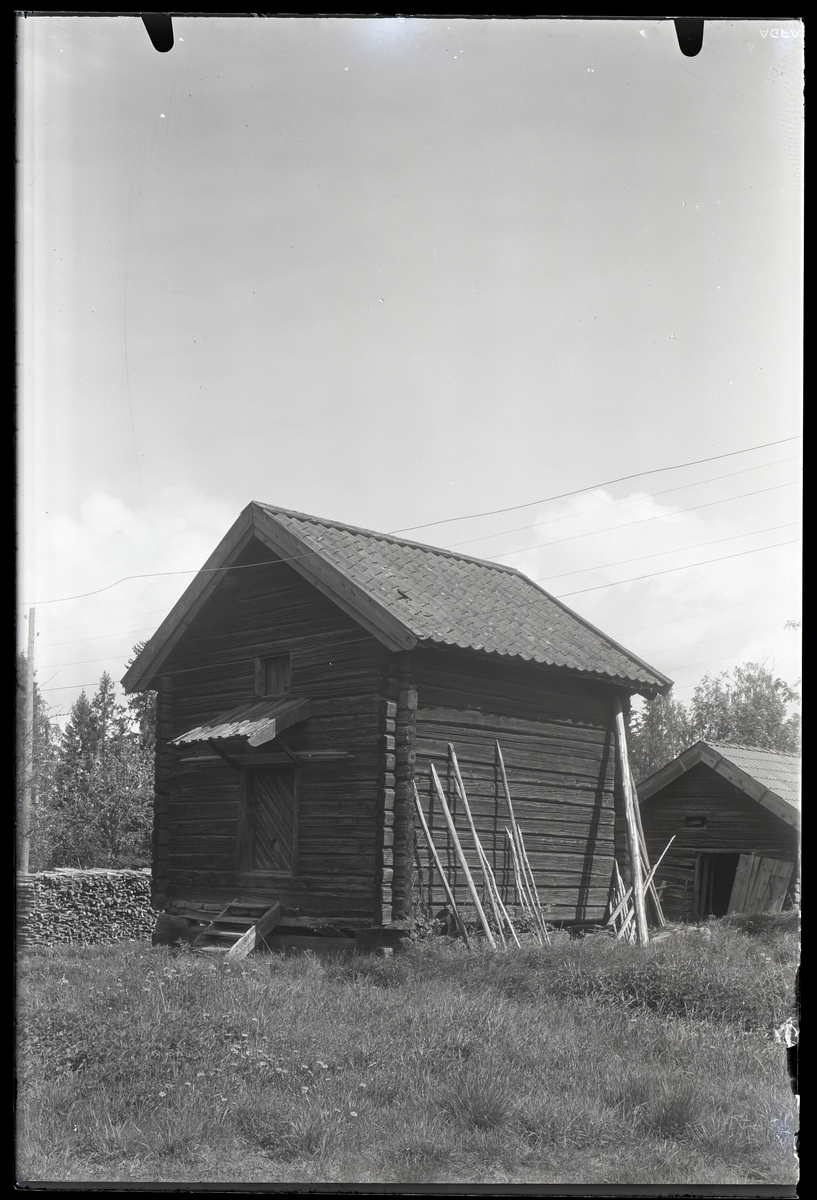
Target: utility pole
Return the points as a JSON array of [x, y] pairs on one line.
[[24, 813]]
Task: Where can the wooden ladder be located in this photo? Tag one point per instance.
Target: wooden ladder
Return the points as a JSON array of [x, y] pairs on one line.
[[237, 933]]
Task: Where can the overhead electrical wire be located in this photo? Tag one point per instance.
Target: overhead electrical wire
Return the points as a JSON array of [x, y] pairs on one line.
[[720, 638], [101, 636], [107, 621], [642, 520], [672, 570], [394, 532], [676, 550], [709, 612], [312, 553], [235, 662], [619, 503], [607, 483]]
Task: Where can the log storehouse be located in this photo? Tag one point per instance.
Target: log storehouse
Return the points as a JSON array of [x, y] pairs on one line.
[[306, 680]]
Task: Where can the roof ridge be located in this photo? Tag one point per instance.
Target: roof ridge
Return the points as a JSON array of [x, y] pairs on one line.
[[756, 749], [391, 537]]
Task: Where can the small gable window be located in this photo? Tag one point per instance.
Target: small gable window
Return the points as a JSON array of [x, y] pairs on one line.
[[272, 675], [695, 822]]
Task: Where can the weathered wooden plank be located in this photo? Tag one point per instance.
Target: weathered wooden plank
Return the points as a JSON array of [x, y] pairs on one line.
[[256, 934]]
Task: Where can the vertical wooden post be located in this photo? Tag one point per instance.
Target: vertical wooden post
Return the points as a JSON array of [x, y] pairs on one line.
[[633, 844], [24, 811]]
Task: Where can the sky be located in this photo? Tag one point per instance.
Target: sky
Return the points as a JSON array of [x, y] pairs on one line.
[[405, 274]]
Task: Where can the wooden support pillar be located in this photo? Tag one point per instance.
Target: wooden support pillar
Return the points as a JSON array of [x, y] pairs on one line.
[[633, 841]]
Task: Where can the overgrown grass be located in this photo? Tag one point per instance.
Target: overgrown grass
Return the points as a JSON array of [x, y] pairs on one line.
[[584, 1062]]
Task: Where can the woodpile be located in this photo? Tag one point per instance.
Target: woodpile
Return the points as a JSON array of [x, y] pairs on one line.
[[494, 916], [83, 908]]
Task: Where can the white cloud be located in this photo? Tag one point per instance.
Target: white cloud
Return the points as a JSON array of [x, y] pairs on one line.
[[90, 626]]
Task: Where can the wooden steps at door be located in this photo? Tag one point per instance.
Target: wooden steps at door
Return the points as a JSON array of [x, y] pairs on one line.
[[236, 932]]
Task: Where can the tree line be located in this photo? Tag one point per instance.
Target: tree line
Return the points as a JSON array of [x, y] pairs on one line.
[[92, 786], [92, 781], [747, 707]]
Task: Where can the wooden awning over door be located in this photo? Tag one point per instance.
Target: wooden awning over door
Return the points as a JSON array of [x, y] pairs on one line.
[[259, 721], [760, 884]]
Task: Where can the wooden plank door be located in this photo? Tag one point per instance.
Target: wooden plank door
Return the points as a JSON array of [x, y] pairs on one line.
[[760, 884], [268, 829]]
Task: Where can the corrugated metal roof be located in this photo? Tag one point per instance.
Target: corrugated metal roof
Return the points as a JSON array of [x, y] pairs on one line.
[[778, 772], [455, 600], [259, 721]]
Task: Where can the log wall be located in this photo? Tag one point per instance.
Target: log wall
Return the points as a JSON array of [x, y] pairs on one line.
[[734, 823], [260, 611], [558, 742]]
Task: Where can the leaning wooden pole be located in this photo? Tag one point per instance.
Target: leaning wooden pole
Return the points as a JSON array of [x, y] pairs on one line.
[[503, 910], [439, 866], [625, 895], [633, 845], [656, 899], [517, 873], [522, 885], [487, 874], [460, 855], [539, 911]]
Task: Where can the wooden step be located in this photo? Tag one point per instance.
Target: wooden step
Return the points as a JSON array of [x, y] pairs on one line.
[[256, 934]]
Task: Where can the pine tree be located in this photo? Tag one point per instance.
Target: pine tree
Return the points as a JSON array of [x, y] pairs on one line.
[[659, 733], [45, 757], [102, 801], [142, 709]]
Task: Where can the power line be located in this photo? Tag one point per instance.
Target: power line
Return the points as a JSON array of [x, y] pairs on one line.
[[641, 520], [66, 687], [720, 638], [315, 553], [446, 520], [607, 483], [618, 503], [100, 637], [671, 570], [540, 545], [698, 615], [677, 550], [107, 621], [84, 662], [624, 633], [691, 666]]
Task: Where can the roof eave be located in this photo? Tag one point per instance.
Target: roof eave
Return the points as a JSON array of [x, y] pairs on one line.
[[147, 665], [663, 684], [619, 682], [701, 752], [255, 521]]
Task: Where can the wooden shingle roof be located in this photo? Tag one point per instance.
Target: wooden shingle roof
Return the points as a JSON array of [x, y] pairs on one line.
[[408, 594]]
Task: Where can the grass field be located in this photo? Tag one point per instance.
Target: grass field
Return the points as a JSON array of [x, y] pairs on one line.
[[586, 1062]]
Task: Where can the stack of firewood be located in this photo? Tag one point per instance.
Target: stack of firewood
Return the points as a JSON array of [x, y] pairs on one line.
[[90, 907]]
